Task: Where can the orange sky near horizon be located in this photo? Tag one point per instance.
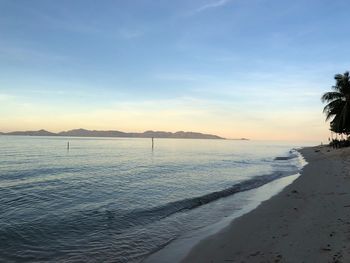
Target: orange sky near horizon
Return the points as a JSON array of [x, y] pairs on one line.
[[301, 126]]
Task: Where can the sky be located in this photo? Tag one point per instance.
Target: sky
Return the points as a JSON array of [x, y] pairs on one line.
[[235, 68]]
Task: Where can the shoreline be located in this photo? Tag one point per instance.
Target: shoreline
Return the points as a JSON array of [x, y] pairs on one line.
[[177, 249], [305, 222]]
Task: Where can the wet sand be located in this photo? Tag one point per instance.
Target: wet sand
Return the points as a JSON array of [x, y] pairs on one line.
[[309, 221]]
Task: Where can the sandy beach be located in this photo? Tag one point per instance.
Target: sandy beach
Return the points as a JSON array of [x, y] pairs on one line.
[[309, 221]]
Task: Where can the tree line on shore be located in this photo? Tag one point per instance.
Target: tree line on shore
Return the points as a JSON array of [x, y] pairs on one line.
[[337, 109]]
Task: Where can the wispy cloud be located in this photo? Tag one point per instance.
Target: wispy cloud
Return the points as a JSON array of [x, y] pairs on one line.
[[213, 4]]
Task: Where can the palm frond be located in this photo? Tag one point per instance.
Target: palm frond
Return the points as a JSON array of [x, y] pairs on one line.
[[332, 112], [334, 105], [338, 107], [331, 96], [345, 116]]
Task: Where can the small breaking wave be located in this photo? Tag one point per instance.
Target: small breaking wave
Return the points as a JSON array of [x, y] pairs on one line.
[[292, 154], [156, 213]]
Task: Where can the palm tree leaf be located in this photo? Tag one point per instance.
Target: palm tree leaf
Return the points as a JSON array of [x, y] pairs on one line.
[[338, 106], [330, 96], [335, 105]]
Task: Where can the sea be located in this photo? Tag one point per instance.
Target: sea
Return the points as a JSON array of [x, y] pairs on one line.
[[120, 200]]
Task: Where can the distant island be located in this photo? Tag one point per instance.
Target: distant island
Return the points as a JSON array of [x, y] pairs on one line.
[[111, 133]]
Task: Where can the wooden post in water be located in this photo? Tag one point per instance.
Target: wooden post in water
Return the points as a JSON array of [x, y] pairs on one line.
[[67, 145], [152, 143]]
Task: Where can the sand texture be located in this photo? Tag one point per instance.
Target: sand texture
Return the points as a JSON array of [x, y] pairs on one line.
[[309, 221]]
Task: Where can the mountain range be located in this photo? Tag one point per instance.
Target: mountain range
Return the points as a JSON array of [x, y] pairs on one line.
[[111, 133]]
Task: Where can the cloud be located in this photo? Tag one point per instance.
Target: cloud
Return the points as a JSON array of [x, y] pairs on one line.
[[211, 5]]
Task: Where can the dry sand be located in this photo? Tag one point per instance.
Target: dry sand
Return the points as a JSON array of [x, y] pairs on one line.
[[309, 221]]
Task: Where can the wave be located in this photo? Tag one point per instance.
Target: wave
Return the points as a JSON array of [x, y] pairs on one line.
[[156, 213], [38, 172], [292, 154], [99, 219], [145, 216], [283, 158]]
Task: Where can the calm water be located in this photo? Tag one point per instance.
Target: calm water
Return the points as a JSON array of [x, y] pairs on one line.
[[116, 200]]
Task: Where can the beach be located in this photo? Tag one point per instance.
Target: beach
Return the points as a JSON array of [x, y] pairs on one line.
[[309, 221]]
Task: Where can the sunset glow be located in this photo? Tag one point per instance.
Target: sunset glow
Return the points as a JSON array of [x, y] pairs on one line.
[[233, 68]]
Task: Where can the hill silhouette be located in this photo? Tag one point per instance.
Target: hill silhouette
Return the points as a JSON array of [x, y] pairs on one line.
[[112, 133]]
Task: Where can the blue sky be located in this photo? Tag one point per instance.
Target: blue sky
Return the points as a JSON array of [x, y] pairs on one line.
[[237, 68]]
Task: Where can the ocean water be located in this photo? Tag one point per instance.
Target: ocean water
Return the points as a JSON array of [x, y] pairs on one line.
[[116, 199]]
